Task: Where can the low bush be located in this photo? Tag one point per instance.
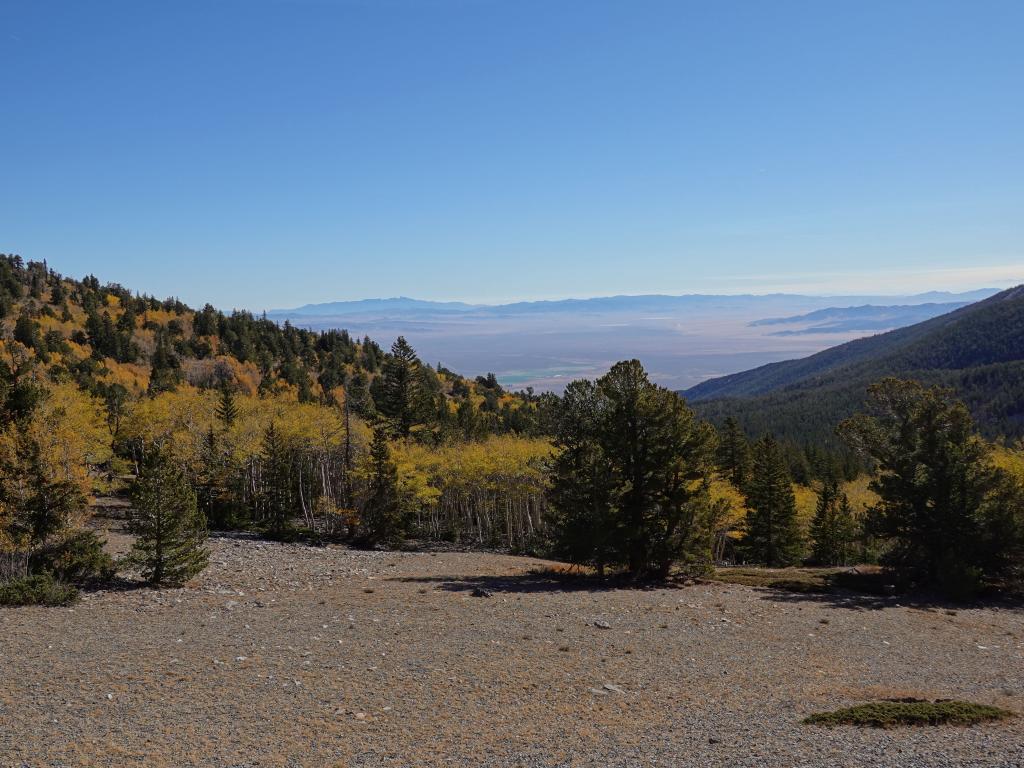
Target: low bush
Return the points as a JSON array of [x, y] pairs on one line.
[[40, 589], [890, 714], [79, 559]]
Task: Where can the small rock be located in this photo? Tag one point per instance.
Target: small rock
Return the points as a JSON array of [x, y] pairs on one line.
[[611, 687], [481, 592], [598, 692], [602, 624], [713, 740]]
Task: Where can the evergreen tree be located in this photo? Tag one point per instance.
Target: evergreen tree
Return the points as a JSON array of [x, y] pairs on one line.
[[169, 528], [276, 497], [834, 528], [227, 411], [734, 459], [400, 388], [165, 373], [951, 516], [381, 519], [583, 488], [772, 531], [650, 464], [43, 506]]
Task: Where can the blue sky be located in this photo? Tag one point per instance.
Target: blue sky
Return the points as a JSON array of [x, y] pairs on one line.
[[265, 153]]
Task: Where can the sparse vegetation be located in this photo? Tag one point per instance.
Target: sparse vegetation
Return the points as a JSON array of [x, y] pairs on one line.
[[912, 712], [37, 589]]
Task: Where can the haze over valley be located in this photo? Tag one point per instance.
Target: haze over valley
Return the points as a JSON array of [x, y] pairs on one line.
[[681, 340]]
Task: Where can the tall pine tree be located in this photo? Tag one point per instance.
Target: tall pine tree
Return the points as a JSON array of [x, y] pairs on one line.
[[834, 528], [772, 531], [169, 528]]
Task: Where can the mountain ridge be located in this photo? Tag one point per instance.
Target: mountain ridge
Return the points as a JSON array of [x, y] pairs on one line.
[[978, 350]]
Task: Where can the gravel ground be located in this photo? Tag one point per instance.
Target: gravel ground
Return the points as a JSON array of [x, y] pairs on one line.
[[288, 655]]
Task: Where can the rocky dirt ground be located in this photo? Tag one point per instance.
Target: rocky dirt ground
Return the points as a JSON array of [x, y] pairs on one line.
[[289, 655]]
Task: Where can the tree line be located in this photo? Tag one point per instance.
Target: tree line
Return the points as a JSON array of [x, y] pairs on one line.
[[295, 434]]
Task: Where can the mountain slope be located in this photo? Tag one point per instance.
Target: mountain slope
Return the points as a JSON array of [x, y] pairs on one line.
[[978, 350], [868, 317]]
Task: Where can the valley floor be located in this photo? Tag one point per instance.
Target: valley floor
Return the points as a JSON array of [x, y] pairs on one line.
[[288, 655]]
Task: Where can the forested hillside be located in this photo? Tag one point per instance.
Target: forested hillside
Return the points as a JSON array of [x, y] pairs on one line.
[[268, 422], [977, 350]]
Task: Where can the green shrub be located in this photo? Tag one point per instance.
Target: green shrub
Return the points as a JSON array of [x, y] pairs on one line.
[[889, 714], [79, 559], [40, 589]]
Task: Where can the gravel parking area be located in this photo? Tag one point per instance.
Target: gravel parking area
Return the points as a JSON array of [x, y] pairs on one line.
[[290, 655]]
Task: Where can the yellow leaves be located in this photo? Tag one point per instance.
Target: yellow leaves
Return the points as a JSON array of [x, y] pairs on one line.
[[724, 490], [133, 377], [70, 430], [1010, 459], [182, 419], [498, 464]]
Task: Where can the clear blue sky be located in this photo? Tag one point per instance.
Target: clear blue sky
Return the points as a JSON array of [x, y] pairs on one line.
[[266, 153]]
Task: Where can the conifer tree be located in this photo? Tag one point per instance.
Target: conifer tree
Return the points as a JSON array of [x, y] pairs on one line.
[[400, 382], [951, 516], [834, 528], [772, 531], [169, 528], [381, 519], [734, 459], [638, 467], [227, 411], [276, 495]]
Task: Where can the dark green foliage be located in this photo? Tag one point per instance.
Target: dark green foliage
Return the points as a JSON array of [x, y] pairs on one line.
[[400, 390], [834, 529], [381, 517], [275, 501], [38, 589], [734, 456], [43, 506], [583, 485], [227, 411], [165, 367], [169, 528], [952, 517], [638, 469], [78, 558], [890, 714], [772, 535]]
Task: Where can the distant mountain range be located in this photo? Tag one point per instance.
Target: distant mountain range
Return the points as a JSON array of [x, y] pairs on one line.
[[978, 350], [863, 318], [682, 340], [406, 305]]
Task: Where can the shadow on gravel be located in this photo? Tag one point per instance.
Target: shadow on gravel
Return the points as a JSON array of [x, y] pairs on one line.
[[540, 581], [867, 602]]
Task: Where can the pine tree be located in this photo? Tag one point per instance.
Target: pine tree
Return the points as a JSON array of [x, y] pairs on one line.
[[276, 496], [638, 469], [43, 506], [227, 411], [951, 516], [834, 528], [381, 519], [734, 457], [582, 493], [772, 531], [169, 528], [400, 387]]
